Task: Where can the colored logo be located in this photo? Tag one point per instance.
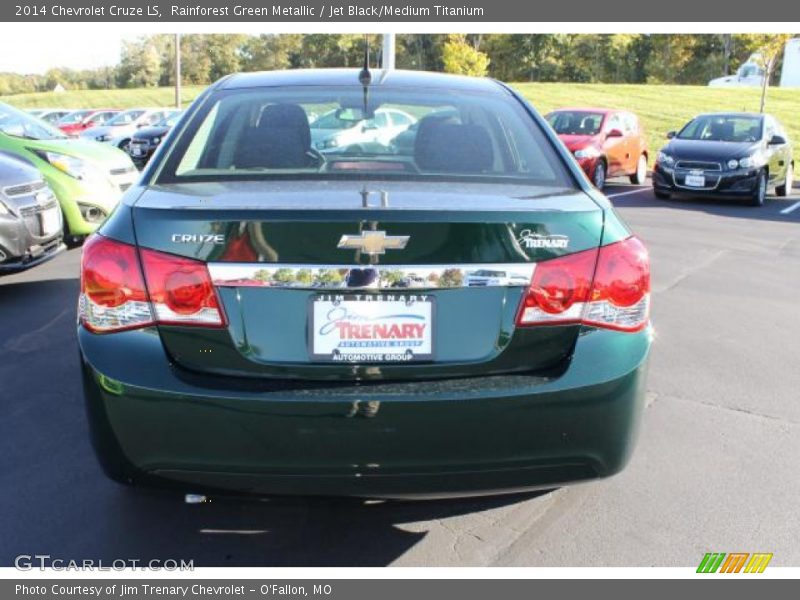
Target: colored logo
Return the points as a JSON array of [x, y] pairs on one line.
[[735, 562]]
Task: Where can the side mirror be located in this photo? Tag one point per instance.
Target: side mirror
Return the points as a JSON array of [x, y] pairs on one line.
[[671, 134], [777, 140], [614, 133]]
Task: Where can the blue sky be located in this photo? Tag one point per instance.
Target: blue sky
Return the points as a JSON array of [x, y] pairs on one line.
[[23, 50]]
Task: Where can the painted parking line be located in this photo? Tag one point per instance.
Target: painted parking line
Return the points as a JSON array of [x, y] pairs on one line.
[[636, 191], [791, 208]]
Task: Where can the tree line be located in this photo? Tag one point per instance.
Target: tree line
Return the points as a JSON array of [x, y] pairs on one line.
[[591, 58]]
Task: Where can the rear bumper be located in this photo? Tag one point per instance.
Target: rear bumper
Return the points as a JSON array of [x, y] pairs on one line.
[[154, 424], [726, 184]]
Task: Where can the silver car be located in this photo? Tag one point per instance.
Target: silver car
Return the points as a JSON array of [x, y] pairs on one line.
[[31, 227]]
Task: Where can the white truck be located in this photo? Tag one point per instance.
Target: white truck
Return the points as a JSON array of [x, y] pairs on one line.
[[751, 73], [790, 72]]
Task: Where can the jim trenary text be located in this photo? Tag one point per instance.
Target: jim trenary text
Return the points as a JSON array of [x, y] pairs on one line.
[[123, 590]]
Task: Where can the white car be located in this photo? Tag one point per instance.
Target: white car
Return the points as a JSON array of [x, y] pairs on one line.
[[494, 277], [334, 131], [119, 130]]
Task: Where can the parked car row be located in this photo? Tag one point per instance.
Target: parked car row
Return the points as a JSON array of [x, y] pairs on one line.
[[729, 155], [84, 179], [742, 155]]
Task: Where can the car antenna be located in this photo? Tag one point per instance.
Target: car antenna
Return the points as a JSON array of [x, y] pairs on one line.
[[365, 77]]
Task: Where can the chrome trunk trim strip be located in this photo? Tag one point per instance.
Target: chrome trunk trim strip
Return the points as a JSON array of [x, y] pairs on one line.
[[361, 277]]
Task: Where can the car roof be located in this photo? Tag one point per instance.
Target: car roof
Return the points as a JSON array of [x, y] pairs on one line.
[[603, 111], [731, 114], [349, 77]]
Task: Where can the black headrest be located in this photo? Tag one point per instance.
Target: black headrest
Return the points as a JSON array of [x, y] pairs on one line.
[[722, 130], [444, 146], [286, 117], [280, 140]]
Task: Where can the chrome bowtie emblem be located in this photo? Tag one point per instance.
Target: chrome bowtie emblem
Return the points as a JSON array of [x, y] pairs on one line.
[[373, 242]]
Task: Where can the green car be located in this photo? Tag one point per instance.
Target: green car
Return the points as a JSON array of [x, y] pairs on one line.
[[460, 314], [88, 178]]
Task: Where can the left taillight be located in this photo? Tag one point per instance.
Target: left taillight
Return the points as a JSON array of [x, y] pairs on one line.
[[119, 291]]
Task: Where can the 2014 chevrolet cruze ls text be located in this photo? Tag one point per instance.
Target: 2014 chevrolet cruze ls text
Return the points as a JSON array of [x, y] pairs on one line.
[[260, 317]]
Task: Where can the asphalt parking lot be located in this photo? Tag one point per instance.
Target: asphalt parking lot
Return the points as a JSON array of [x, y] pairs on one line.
[[715, 468]]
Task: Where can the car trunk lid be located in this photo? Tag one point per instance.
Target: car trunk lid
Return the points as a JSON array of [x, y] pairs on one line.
[[284, 256]]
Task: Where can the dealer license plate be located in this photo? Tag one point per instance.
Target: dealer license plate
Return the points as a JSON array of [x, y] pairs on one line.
[[136, 150], [695, 180], [51, 220], [371, 328]]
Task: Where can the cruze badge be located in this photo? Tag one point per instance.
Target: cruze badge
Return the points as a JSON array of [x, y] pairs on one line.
[[373, 242], [198, 238], [530, 240]]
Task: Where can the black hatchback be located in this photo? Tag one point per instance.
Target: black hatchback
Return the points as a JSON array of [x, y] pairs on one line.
[[732, 155]]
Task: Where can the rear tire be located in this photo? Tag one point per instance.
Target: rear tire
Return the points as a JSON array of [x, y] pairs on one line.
[[786, 188], [639, 177], [599, 177], [760, 193]]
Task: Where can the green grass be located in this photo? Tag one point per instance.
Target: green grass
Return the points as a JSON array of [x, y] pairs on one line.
[[664, 108], [661, 107], [104, 98]]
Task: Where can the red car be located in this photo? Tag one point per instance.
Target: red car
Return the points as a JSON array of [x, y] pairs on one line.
[[606, 143], [78, 120]]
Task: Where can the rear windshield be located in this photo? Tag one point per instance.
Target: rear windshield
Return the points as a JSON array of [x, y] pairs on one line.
[[327, 132], [575, 122], [722, 128]]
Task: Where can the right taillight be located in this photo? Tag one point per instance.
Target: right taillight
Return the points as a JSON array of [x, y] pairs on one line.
[[606, 287], [181, 290], [119, 292]]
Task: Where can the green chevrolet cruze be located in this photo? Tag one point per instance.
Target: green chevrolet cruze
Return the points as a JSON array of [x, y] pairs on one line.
[[88, 178], [461, 313]]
